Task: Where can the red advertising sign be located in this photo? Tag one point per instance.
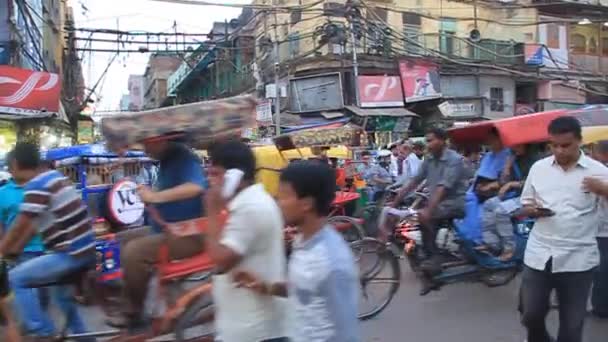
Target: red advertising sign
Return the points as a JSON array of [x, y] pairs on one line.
[[380, 91], [28, 92], [420, 81]]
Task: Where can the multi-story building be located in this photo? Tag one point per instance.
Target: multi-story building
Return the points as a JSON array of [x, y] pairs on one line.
[[221, 66], [125, 102], [160, 67], [438, 60], [34, 47]]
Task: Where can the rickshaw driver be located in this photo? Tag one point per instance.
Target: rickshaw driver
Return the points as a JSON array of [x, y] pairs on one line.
[[445, 176], [177, 197]]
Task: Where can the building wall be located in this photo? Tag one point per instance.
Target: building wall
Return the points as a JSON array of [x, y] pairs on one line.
[[159, 68], [54, 42], [481, 86]]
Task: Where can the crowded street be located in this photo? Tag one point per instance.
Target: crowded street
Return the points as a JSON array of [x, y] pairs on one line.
[[303, 171]]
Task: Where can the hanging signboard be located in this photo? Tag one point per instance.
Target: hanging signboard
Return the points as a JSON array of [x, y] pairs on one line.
[[379, 91], [28, 92], [420, 81], [125, 205], [461, 108], [263, 112], [346, 135]]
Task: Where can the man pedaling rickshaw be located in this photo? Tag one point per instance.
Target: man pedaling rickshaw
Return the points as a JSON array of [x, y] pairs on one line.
[[444, 172]]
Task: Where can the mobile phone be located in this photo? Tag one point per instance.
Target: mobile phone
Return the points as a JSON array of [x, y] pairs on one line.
[[232, 179], [545, 212]]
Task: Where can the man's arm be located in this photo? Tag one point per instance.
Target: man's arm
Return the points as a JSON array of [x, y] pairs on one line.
[[178, 193], [528, 196], [413, 183], [453, 175]]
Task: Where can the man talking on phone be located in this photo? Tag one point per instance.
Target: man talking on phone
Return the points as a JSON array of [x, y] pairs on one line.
[[562, 252], [177, 197]]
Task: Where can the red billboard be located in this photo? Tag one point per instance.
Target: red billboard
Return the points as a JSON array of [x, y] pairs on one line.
[[28, 92], [380, 91], [420, 80]]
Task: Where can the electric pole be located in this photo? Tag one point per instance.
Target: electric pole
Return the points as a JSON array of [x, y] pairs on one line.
[[352, 13], [277, 99]]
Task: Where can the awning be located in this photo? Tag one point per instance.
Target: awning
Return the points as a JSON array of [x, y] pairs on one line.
[[397, 112]]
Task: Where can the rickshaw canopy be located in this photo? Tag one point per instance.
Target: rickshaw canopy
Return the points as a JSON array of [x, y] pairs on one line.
[[515, 130], [198, 123]]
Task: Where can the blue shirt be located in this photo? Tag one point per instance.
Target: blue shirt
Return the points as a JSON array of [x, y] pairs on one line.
[[180, 167], [11, 197], [492, 164], [323, 288]]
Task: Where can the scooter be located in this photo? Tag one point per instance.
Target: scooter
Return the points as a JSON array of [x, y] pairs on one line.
[[462, 259]]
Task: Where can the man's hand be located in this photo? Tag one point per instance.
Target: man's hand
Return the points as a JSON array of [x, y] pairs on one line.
[[595, 185], [248, 280], [424, 215], [506, 188], [146, 194]]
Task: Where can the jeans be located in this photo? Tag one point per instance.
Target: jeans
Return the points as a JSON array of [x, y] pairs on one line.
[[496, 222], [572, 290], [43, 269], [31, 297], [599, 293]]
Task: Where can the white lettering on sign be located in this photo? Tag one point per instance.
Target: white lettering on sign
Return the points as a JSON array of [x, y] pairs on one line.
[[124, 203]]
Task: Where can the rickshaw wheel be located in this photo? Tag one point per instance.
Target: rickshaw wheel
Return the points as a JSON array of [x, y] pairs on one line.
[[196, 322], [350, 229]]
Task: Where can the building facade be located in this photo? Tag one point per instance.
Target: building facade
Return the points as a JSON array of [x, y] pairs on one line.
[[160, 67], [418, 62]]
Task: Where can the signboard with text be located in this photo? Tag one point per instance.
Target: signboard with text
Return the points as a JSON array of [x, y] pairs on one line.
[[28, 92], [380, 91]]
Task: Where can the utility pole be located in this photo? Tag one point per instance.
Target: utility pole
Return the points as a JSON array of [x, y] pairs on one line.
[[277, 99], [352, 13]]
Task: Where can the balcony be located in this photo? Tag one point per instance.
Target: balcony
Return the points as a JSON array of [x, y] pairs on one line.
[[590, 63]]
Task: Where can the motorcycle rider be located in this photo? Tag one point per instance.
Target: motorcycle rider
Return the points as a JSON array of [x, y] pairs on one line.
[[444, 172]]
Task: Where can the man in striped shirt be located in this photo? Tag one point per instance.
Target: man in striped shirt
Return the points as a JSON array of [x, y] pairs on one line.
[[53, 208]]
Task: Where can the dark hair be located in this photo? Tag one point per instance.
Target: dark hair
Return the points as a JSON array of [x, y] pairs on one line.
[[365, 153], [234, 155], [565, 125], [602, 146], [439, 133], [312, 179], [26, 156]]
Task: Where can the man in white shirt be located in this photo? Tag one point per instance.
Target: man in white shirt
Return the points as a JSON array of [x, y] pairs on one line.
[[410, 163], [562, 251], [395, 159], [599, 291], [252, 238]]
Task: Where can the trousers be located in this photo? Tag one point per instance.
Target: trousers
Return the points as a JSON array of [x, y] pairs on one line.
[[572, 289]]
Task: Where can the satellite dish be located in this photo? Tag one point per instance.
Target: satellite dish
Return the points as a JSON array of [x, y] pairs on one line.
[[475, 35]]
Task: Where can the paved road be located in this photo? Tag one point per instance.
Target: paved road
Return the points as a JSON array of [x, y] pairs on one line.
[[465, 312]]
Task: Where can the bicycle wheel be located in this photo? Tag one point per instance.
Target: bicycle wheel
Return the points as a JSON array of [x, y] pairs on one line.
[[196, 322], [379, 274], [349, 227]]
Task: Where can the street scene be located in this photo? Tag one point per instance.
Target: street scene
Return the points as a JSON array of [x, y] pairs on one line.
[[303, 170]]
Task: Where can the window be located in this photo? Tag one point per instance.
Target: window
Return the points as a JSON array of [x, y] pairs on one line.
[[296, 16], [411, 30], [592, 46], [497, 103], [446, 42], [294, 44], [605, 46], [578, 43], [553, 35], [377, 14]]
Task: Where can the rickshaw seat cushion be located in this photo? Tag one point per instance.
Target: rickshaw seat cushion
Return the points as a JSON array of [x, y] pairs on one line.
[[181, 268]]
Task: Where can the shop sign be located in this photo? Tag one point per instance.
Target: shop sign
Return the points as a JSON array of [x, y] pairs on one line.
[[533, 54], [85, 132], [452, 109], [379, 91], [420, 81], [28, 92], [126, 207], [319, 137], [263, 112]]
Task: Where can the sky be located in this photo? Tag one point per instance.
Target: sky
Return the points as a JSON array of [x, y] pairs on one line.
[[133, 15]]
